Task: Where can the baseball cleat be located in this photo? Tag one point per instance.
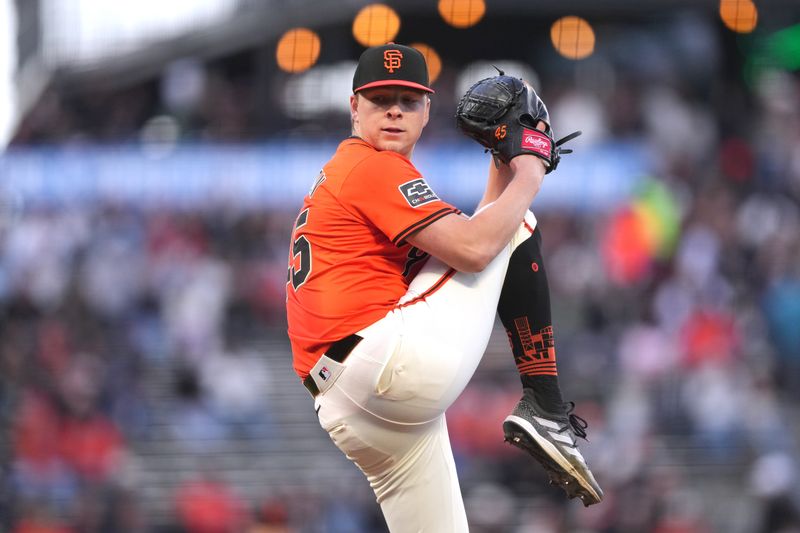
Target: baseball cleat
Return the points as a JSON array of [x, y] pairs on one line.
[[551, 440]]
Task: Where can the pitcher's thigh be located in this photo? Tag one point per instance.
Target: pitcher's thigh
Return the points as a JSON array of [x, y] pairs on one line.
[[421, 493], [458, 307], [409, 467]]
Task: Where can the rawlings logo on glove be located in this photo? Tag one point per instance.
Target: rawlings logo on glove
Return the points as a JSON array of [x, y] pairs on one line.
[[516, 104], [538, 142]]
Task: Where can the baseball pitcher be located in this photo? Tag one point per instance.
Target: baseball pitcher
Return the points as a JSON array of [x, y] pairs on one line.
[[392, 292]]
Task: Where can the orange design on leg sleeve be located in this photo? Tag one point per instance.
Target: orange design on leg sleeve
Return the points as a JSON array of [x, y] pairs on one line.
[[539, 352]]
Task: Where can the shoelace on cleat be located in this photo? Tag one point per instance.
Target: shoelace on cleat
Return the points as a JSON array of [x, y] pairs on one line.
[[578, 424]]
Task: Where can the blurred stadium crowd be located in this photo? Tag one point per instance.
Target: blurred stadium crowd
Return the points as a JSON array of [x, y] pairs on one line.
[[676, 320]]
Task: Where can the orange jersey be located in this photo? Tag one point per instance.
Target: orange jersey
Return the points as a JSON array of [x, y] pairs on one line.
[[349, 263]]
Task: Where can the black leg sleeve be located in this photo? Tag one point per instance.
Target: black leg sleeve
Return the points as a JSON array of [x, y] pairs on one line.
[[524, 310]]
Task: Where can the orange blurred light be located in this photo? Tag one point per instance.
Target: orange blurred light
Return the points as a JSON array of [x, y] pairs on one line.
[[739, 15], [375, 24], [298, 50], [462, 13], [572, 37], [431, 58]]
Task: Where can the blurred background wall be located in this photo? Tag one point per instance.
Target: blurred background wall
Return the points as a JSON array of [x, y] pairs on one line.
[[153, 156]]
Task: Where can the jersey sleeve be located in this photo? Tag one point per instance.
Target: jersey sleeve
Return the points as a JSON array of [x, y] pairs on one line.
[[387, 190]]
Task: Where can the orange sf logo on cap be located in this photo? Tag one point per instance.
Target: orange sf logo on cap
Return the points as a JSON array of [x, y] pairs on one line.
[[391, 59]]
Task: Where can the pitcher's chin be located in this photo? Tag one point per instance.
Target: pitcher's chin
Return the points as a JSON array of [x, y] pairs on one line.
[[395, 145]]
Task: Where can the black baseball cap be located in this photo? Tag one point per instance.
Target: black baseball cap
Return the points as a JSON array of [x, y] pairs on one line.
[[391, 64]]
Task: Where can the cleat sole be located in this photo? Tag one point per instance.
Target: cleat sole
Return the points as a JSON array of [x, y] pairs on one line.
[[560, 471]]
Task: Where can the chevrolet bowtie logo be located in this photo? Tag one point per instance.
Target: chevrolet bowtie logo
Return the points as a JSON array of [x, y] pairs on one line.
[[419, 188]]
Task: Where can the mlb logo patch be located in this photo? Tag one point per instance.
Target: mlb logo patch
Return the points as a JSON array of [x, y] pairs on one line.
[[324, 373], [417, 192]]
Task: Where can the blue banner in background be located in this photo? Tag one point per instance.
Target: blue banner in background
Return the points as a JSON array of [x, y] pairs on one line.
[[278, 175]]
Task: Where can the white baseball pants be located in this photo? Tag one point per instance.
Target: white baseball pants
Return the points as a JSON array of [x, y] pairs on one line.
[[384, 405]]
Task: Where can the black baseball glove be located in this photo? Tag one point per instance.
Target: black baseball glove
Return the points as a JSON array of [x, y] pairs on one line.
[[501, 113]]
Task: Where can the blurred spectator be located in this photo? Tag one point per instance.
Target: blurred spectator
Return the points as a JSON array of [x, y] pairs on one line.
[[773, 479], [236, 382], [40, 472], [36, 518], [191, 422], [271, 516], [92, 445], [207, 505]]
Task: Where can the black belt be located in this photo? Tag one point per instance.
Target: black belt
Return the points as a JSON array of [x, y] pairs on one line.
[[338, 351]]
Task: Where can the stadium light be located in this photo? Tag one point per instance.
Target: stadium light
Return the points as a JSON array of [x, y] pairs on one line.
[[298, 50], [432, 59], [740, 16], [462, 13], [572, 37], [376, 24]]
